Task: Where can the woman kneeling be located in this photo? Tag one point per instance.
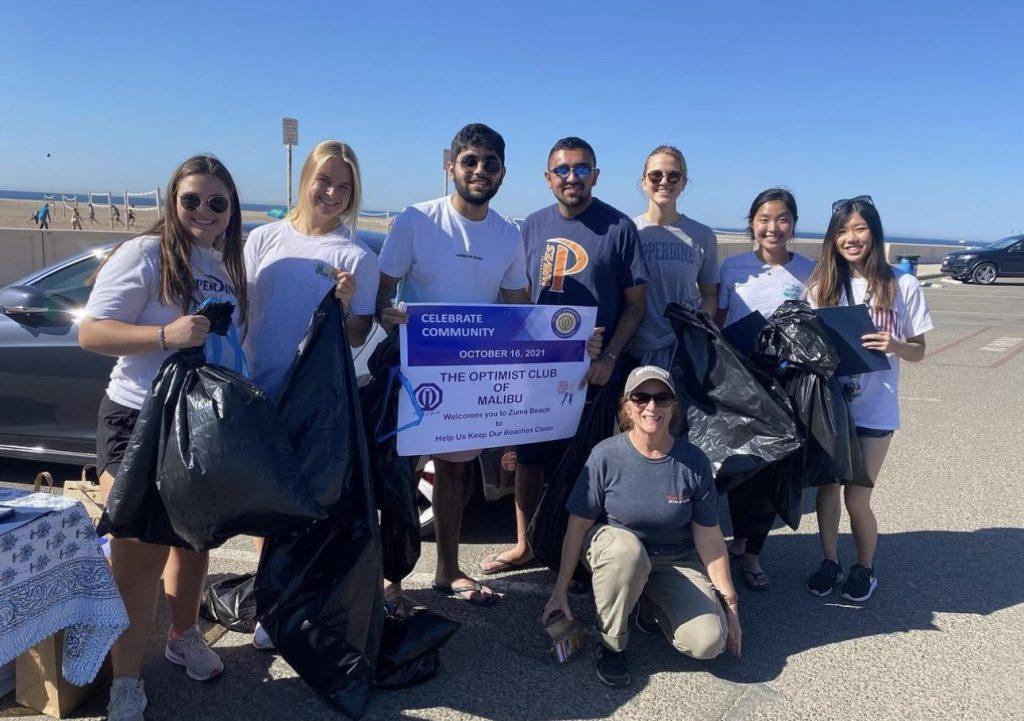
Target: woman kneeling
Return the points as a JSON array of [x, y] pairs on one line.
[[644, 522]]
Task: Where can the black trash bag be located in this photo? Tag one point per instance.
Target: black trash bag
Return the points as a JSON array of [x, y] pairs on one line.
[[409, 647], [731, 411], [208, 459], [231, 602], [319, 588], [796, 348], [394, 483], [547, 528]]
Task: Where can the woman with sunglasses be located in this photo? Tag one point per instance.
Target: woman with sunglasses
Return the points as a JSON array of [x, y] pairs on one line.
[[644, 521], [293, 263], [142, 309], [853, 270], [761, 281], [681, 255]]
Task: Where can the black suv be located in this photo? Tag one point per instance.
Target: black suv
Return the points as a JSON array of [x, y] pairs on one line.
[[983, 265]]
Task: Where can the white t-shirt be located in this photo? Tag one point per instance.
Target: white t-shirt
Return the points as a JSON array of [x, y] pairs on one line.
[[289, 274], [750, 284], [876, 401], [127, 289], [443, 257]]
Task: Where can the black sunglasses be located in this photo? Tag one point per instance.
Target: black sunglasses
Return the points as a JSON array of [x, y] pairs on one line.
[[491, 164], [217, 203], [581, 170], [850, 201], [662, 398], [672, 176]]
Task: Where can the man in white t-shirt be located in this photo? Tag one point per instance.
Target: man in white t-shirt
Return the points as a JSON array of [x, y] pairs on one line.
[[455, 249]]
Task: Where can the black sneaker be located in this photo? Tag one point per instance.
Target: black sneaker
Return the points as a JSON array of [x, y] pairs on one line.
[[860, 584], [644, 618], [829, 573], [611, 666]]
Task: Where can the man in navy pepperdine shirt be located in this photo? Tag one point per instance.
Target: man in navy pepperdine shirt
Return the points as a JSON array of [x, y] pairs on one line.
[[579, 251]]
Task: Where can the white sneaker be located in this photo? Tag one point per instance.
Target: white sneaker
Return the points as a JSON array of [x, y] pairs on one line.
[[190, 650], [127, 699], [261, 640]]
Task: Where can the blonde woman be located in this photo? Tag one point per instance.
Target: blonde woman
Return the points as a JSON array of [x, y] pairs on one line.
[[293, 263], [681, 256]]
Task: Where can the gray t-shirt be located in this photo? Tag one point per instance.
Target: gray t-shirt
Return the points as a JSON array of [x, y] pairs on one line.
[[678, 257], [655, 499]]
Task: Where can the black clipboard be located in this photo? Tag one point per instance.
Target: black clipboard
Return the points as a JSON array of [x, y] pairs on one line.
[[845, 324], [742, 334]]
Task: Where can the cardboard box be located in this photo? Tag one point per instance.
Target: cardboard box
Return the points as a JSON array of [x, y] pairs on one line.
[[40, 685]]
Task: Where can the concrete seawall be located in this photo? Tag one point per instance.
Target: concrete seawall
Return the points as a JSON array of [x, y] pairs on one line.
[[24, 251]]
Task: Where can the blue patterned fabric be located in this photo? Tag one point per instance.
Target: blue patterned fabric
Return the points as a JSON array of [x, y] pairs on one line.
[[53, 576]]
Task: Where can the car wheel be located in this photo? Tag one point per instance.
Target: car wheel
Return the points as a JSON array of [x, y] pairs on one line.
[[985, 274]]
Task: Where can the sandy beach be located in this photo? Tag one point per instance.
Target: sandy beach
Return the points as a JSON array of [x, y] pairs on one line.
[[16, 214]]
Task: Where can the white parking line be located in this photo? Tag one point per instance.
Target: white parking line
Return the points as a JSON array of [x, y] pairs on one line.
[[1001, 345]]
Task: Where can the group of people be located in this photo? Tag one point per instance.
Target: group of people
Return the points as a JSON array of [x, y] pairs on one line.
[[42, 217], [643, 514]]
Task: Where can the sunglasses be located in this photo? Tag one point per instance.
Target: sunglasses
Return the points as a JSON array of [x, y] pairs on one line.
[[662, 398], [581, 170], [850, 201], [217, 203], [491, 164], [672, 176]]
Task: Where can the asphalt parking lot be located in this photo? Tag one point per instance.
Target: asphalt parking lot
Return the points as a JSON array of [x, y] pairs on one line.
[[943, 637]]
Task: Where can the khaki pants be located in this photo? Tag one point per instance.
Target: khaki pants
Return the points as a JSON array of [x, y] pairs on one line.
[[683, 599]]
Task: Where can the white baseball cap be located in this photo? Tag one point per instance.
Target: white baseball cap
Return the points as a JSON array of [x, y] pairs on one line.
[[649, 373]]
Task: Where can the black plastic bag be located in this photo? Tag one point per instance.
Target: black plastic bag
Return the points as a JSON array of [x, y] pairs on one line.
[[319, 588], [208, 460], [231, 602], [409, 647], [547, 528], [393, 475], [731, 412]]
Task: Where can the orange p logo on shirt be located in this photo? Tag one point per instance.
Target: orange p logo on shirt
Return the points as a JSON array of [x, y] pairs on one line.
[[562, 257]]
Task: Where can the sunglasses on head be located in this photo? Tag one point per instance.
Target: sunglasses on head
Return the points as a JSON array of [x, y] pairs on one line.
[[850, 201], [471, 162], [672, 176], [217, 203], [581, 170], [661, 398]]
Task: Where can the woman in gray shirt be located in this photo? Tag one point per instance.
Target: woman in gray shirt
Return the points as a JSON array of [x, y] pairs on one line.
[[644, 521]]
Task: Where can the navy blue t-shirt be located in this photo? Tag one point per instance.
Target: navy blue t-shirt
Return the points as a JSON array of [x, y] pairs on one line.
[[587, 260]]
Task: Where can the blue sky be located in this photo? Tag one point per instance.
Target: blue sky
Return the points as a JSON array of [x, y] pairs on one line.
[[919, 104]]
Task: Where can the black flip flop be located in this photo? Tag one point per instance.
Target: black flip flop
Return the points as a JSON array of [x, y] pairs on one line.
[[455, 592], [503, 565], [750, 578]]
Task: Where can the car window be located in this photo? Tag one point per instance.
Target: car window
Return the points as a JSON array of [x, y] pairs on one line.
[[1019, 248], [69, 283]]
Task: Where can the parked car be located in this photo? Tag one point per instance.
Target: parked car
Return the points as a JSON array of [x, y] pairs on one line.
[[1003, 258], [50, 389]]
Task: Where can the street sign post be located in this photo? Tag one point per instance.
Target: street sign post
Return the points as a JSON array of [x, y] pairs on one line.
[[290, 137]]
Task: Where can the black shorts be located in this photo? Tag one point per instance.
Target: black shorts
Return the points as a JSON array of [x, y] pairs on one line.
[[113, 431], [863, 432]]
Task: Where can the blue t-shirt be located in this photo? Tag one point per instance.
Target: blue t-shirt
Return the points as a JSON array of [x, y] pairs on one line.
[[587, 260], [656, 499], [44, 212]]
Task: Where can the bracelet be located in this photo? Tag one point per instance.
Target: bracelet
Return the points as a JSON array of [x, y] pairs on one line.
[[609, 354], [161, 339]]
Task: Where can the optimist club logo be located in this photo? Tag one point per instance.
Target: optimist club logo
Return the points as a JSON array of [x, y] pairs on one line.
[[429, 396], [565, 322]]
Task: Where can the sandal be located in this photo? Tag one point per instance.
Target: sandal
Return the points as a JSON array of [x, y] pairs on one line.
[[502, 566], [475, 591], [756, 580]]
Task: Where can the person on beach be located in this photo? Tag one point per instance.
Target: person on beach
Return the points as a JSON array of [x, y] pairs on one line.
[[454, 249], [580, 251], [92, 214], [853, 270], [760, 281], [76, 219], [115, 219], [141, 310], [43, 215], [131, 216], [644, 521], [34, 218], [293, 263], [681, 256]]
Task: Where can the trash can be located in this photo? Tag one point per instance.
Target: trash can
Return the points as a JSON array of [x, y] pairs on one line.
[[908, 263]]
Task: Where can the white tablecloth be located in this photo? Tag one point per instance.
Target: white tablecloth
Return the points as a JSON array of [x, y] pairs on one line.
[[53, 576]]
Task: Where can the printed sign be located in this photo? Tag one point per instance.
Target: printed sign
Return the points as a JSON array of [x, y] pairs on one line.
[[482, 376]]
